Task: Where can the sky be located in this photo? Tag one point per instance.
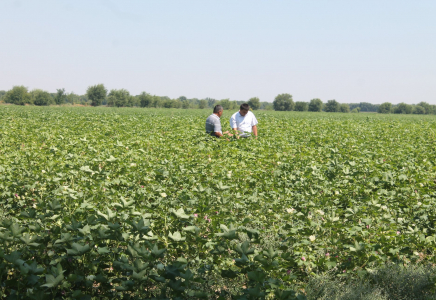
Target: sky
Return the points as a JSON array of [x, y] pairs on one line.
[[351, 51]]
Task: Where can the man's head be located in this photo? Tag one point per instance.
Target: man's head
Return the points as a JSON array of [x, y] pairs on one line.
[[243, 109], [218, 110]]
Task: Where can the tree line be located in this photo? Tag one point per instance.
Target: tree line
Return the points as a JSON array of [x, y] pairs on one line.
[[97, 95], [284, 102]]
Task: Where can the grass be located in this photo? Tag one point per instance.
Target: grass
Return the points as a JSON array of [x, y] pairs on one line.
[[412, 282]]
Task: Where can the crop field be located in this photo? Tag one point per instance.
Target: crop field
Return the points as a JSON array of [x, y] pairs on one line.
[[99, 203]]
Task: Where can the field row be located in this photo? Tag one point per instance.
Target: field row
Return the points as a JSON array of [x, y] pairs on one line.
[[141, 203]]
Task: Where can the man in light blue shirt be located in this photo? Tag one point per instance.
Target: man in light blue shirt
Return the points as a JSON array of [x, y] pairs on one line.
[[244, 121]]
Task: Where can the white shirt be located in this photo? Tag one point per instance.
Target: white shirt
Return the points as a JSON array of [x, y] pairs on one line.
[[243, 123]]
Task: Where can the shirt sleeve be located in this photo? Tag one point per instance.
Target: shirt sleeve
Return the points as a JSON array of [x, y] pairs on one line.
[[233, 122], [253, 121], [217, 126]]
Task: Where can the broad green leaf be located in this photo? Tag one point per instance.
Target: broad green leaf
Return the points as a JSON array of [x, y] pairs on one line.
[[180, 213], [77, 249], [52, 281], [176, 236], [29, 240]]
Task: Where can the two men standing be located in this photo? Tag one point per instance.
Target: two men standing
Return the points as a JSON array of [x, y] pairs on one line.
[[242, 122]]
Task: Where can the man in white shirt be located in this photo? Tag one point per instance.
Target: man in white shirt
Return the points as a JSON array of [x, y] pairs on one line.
[[244, 121]]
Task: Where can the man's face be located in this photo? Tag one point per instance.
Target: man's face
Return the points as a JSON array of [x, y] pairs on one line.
[[243, 112], [220, 113]]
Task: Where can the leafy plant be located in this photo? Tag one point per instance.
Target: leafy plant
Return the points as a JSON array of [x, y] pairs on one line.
[[141, 203]]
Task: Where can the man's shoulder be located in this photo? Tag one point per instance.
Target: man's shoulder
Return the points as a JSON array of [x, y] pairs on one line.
[[234, 115], [251, 115], [213, 118]]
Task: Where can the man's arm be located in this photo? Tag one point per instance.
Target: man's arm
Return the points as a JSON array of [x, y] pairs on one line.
[[233, 123], [255, 130]]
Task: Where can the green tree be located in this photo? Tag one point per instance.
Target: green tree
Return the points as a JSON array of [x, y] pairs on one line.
[[167, 103], [41, 98], [18, 95], [332, 106], [267, 106], [2, 93], [60, 97], [403, 108], [118, 98], [157, 102], [134, 101], [226, 104], [426, 106], [145, 99], [210, 102], [301, 106], [179, 104], [419, 110], [254, 103], [96, 93], [184, 104], [83, 99], [315, 105], [202, 104], [283, 102], [385, 108], [235, 105], [73, 98], [356, 110], [344, 108], [364, 106]]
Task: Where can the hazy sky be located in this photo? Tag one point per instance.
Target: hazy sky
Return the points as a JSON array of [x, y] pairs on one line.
[[351, 51]]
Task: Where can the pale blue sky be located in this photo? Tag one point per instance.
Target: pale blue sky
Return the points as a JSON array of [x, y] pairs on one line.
[[348, 50]]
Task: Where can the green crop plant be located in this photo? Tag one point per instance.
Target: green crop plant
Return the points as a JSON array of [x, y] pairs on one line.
[[99, 203]]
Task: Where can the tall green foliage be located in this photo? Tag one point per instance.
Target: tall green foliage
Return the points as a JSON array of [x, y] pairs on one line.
[[385, 108], [419, 110], [344, 108], [283, 102], [427, 107], [315, 105], [301, 106], [96, 94], [254, 103], [60, 97], [145, 99], [18, 95], [403, 108], [202, 104], [332, 106], [41, 98], [228, 105], [119, 98]]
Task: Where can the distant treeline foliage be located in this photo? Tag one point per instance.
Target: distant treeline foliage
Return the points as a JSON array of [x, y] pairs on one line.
[[284, 102], [97, 95]]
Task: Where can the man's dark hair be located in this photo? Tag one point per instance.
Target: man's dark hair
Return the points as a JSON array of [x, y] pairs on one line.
[[244, 106], [217, 109]]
